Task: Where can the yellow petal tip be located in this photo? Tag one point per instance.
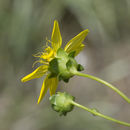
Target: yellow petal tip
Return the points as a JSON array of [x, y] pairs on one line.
[[22, 80], [55, 21], [86, 31], [38, 102]]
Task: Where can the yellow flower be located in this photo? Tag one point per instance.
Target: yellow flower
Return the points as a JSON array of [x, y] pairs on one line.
[[46, 56]]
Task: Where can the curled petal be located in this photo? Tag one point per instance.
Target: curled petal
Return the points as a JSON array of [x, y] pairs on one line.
[[48, 54], [37, 73], [76, 43], [48, 83], [56, 36]]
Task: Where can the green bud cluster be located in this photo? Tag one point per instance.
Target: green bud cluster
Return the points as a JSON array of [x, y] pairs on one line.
[[64, 65], [61, 102]]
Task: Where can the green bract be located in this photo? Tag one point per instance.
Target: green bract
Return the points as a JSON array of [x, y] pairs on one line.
[[61, 102], [64, 65]]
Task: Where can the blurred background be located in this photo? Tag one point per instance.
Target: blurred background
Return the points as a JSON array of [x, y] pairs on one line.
[[24, 26]]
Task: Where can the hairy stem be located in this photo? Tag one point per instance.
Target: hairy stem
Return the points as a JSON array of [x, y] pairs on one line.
[[99, 114], [105, 83]]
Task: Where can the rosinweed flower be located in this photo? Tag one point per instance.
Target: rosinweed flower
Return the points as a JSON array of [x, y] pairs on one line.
[[47, 58]]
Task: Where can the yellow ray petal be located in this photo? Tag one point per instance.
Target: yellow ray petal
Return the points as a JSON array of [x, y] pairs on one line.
[[56, 37], [53, 85], [76, 42], [39, 72], [80, 48], [48, 83], [44, 89]]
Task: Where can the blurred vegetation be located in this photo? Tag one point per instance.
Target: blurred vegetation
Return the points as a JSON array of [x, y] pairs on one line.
[[24, 26]]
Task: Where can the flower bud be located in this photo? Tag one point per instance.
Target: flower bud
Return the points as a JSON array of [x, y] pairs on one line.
[[61, 102]]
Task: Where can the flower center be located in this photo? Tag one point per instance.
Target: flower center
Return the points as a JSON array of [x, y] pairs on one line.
[[48, 55]]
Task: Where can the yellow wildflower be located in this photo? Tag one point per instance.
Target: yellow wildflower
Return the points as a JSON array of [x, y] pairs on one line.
[[49, 54]]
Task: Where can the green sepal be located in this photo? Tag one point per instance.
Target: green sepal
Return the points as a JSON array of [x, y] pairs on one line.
[[69, 64], [63, 78], [80, 67], [61, 53], [53, 67], [72, 54], [66, 80], [51, 75]]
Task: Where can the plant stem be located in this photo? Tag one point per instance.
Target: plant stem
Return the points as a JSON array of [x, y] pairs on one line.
[[94, 112], [105, 83]]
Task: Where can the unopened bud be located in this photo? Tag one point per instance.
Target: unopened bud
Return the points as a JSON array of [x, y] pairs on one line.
[[61, 102]]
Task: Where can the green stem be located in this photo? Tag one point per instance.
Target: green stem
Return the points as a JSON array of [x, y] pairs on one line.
[[105, 83], [94, 112]]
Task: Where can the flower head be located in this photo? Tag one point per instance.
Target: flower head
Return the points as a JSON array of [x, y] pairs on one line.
[[53, 55]]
